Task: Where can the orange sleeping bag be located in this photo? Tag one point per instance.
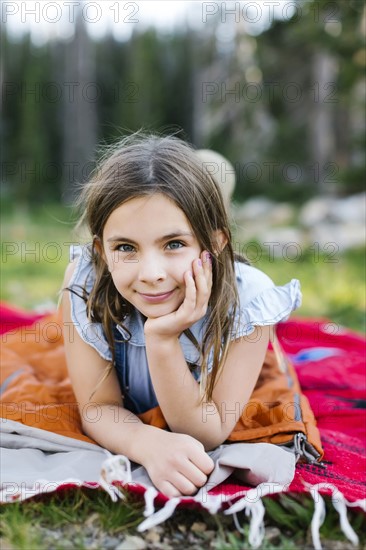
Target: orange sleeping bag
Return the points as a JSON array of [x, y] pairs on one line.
[[36, 391]]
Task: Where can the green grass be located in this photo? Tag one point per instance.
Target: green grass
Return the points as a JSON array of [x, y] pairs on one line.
[[34, 253], [82, 518], [334, 290], [32, 273], [72, 514]]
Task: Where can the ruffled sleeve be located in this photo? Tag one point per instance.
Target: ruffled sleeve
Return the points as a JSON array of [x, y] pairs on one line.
[[84, 277], [262, 303]]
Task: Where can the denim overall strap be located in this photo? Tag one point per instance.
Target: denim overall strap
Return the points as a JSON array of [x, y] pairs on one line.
[[121, 367]]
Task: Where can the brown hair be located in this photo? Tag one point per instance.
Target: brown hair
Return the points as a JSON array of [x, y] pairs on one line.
[[146, 164]]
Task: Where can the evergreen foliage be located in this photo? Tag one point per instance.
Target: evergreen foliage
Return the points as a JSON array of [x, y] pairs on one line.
[[285, 106]]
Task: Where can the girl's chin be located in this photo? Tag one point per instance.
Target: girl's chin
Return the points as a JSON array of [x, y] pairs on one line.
[[153, 311], [156, 311]]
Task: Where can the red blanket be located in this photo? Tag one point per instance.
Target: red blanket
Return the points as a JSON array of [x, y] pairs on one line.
[[330, 363]]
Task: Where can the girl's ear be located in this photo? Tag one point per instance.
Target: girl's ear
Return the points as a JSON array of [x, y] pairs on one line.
[[219, 241], [97, 244]]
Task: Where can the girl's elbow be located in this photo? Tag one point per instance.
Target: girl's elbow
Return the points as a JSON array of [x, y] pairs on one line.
[[211, 445], [212, 441]]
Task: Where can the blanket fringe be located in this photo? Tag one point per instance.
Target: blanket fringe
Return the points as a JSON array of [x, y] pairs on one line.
[[149, 497], [340, 504], [212, 504], [163, 514], [252, 503], [117, 468]]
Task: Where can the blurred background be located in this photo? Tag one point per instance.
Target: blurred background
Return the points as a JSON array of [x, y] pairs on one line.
[[277, 87]]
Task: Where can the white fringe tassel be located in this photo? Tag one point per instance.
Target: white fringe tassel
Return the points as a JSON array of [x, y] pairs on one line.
[[252, 503], [163, 514], [115, 468], [118, 468], [317, 519], [340, 503], [149, 497]]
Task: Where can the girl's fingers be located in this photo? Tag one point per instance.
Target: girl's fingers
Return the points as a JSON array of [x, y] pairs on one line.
[[207, 267], [183, 484], [194, 474], [202, 461], [190, 297], [168, 489], [203, 279], [188, 479], [198, 286]]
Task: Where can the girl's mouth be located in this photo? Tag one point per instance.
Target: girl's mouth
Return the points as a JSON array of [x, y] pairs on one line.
[[156, 298]]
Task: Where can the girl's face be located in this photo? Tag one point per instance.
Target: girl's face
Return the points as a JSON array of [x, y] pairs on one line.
[[148, 246]]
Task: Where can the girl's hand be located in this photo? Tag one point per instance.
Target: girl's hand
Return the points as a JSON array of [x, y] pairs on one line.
[[176, 463], [198, 290]]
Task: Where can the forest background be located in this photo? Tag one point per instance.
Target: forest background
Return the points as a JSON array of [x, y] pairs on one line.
[[276, 87]]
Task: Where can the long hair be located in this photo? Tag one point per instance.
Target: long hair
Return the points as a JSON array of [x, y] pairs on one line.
[[147, 164]]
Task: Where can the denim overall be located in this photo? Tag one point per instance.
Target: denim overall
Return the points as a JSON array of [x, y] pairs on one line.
[[122, 369]]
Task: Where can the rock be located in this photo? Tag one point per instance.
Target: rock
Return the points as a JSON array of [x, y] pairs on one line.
[[131, 542], [316, 211], [334, 238], [328, 544], [108, 543], [247, 231], [349, 210], [272, 534], [166, 544], [330, 209], [53, 534], [252, 209], [152, 536], [324, 221], [178, 536], [163, 545], [286, 242], [198, 527], [68, 544], [282, 213], [92, 544], [210, 534]]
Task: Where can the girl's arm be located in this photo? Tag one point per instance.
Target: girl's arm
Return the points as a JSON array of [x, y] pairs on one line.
[[102, 416], [177, 464], [178, 392]]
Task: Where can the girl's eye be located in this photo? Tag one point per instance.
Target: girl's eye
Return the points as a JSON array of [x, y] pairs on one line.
[[175, 245], [124, 248]]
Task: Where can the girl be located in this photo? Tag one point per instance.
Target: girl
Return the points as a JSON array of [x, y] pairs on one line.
[[165, 312]]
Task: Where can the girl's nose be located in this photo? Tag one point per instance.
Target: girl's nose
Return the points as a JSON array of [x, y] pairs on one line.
[[150, 271]]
